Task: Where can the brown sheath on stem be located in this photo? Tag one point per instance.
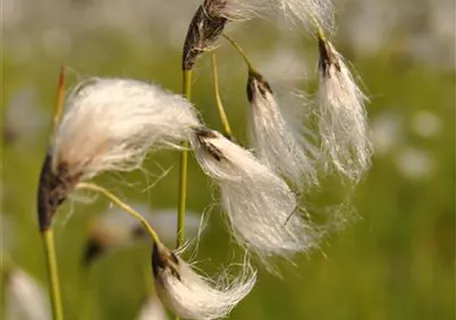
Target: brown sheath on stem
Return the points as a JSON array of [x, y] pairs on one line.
[[163, 258], [256, 84], [205, 28], [327, 57], [53, 189]]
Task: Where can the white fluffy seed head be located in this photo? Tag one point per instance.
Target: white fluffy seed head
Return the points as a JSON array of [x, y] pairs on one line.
[[110, 124], [343, 119], [192, 296], [261, 208], [278, 144], [25, 298]]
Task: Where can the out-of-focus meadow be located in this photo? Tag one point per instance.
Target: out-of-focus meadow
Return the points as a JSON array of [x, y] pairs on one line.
[[394, 261]]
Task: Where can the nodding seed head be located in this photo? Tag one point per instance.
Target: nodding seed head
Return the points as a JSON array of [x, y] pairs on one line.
[[192, 296], [252, 194], [279, 143], [342, 119]]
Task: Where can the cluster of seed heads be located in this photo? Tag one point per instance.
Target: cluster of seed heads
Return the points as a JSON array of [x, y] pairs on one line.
[[111, 124]]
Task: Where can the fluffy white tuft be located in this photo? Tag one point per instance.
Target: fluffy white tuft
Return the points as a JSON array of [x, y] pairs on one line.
[[110, 124], [192, 296], [343, 119], [279, 145], [25, 298], [261, 208]]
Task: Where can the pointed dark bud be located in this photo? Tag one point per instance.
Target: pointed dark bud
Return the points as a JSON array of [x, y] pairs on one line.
[[206, 26], [53, 189], [327, 57], [162, 259], [201, 134], [257, 85]]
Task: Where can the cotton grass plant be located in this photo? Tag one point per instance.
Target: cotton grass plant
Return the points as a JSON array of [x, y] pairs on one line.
[[112, 124]]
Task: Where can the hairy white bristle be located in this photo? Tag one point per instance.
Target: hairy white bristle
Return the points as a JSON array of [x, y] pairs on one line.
[[308, 13], [278, 143], [192, 296], [25, 298], [243, 9], [305, 13], [343, 119], [262, 210], [111, 124], [152, 310]]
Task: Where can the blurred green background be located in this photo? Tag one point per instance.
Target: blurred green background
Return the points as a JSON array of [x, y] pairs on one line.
[[394, 261]]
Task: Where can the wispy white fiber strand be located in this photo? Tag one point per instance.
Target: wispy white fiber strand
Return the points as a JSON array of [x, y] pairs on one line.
[[300, 13]]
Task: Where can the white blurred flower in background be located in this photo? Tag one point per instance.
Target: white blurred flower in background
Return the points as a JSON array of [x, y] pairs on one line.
[[24, 118], [414, 163], [25, 299], [387, 131], [426, 124]]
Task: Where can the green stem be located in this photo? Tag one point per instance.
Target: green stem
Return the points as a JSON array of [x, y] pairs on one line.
[[223, 118], [132, 212], [242, 53], [51, 265], [180, 238], [182, 201]]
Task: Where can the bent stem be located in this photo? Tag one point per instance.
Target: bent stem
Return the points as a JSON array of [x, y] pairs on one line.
[[132, 212], [241, 53], [180, 233], [52, 271], [223, 118]]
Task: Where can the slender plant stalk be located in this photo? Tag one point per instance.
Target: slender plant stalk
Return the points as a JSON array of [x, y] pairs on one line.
[[48, 235], [51, 264], [241, 52], [223, 118], [182, 201], [132, 212]]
